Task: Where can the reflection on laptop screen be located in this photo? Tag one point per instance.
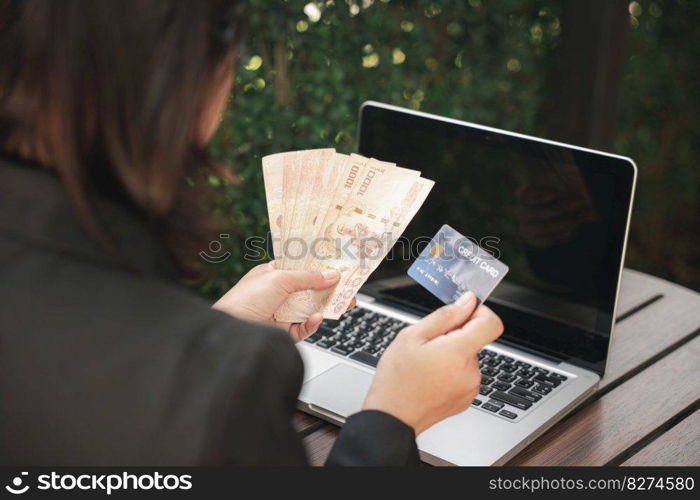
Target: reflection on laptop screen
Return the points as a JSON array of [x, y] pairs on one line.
[[556, 215]]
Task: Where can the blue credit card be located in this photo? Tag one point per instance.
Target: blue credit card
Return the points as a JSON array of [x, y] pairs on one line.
[[452, 264]]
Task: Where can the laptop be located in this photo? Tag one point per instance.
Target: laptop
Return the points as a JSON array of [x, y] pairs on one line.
[[557, 215]]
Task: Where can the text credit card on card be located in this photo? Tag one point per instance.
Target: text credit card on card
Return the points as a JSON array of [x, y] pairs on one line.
[[452, 264]]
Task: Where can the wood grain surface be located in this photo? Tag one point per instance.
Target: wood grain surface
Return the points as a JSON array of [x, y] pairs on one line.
[[679, 446], [610, 426], [318, 444]]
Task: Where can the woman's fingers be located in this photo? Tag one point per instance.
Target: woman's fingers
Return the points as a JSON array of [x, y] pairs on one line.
[[295, 332], [299, 331], [312, 324], [445, 319], [295, 281], [483, 328]]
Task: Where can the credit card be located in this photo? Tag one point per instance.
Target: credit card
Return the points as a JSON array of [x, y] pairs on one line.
[[452, 264]]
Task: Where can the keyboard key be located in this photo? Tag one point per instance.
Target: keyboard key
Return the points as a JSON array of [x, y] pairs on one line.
[[485, 380], [312, 339], [522, 364], [488, 353], [506, 377], [365, 357], [524, 383], [505, 359], [476, 402], [558, 376], [508, 367], [542, 389], [495, 403], [325, 332], [341, 349], [500, 386], [547, 380], [491, 372], [525, 394], [491, 361], [508, 414], [326, 343], [485, 390], [512, 400], [490, 407], [540, 370]]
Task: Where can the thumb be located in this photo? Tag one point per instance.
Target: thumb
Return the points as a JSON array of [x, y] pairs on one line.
[[483, 328], [294, 281], [446, 318]]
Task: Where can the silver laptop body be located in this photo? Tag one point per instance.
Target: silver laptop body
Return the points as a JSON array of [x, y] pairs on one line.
[[335, 385]]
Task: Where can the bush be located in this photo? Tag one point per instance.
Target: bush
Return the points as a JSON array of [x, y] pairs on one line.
[[308, 66]]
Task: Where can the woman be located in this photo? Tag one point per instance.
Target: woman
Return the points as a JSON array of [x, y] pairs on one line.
[[105, 109]]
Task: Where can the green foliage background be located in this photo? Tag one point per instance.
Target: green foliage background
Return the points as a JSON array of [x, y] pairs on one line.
[[301, 80]]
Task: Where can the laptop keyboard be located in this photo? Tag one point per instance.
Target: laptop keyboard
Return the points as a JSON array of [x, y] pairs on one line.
[[509, 387], [360, 334], [508, 384]]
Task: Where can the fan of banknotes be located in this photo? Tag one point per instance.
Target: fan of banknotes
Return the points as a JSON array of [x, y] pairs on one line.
[[333, 211]]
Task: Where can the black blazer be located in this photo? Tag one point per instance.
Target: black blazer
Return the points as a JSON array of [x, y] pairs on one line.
[[104, 362]]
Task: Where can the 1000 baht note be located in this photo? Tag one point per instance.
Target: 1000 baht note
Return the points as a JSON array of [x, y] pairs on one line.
[[397, 220], [363, 230], [356, 184], [299, 306], [333, 211], [311, 167]]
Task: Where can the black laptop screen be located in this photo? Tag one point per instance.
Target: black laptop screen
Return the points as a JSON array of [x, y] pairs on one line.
[[555, 215]]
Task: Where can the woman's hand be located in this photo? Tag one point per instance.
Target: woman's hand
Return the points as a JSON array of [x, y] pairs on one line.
[[431, 370], [264, 289]]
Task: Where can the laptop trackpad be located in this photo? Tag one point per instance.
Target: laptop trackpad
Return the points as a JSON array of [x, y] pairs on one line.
[[340, 389]]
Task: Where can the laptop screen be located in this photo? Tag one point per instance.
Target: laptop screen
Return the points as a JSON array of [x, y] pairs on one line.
[[557, 216]]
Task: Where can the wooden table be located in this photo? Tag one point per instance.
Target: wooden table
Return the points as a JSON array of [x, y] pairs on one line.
[[646, 411]]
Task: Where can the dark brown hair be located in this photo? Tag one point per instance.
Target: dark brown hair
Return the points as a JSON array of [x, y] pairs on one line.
[[110, 94]]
